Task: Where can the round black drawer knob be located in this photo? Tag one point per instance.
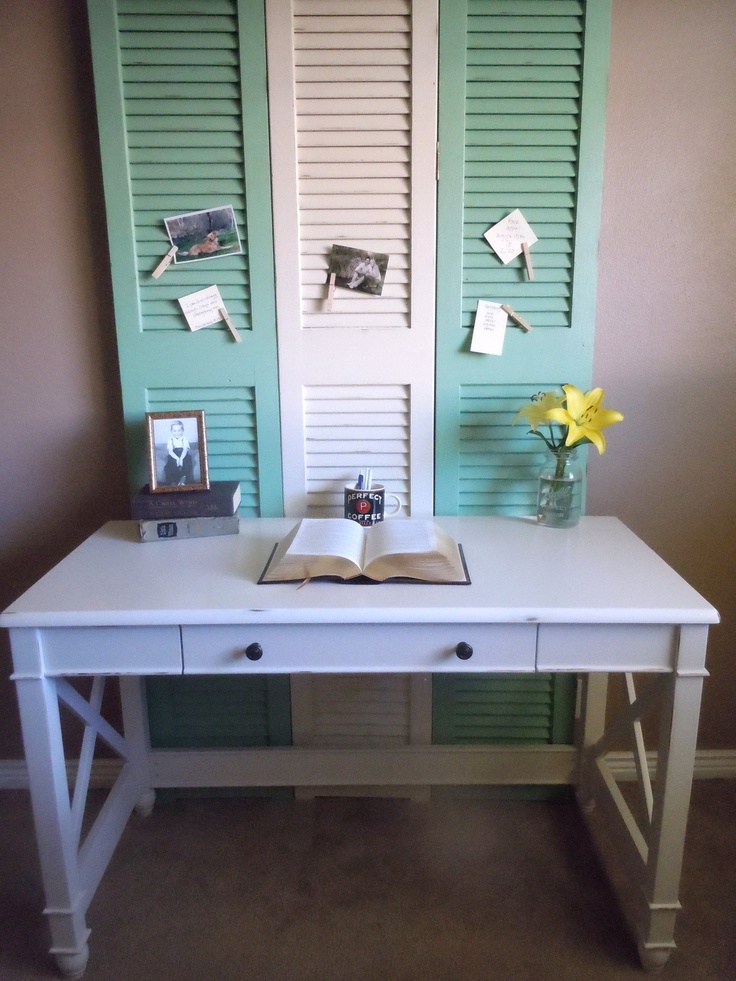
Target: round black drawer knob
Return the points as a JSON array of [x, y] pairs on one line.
[[464, 651], [254, 652]]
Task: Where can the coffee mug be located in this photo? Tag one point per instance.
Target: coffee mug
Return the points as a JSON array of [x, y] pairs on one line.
[[368, 507]]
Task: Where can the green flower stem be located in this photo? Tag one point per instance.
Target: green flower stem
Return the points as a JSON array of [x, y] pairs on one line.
[[562, 458], [556, 501]]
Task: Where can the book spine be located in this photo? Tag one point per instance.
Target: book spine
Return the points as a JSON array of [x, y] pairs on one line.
[[165, 506], [174, 510], [158, 531]]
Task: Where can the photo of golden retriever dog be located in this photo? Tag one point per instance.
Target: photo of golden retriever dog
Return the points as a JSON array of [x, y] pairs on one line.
[[202, 235], [207, 247]]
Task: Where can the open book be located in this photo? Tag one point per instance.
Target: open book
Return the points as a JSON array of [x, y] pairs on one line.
[[408, 548]]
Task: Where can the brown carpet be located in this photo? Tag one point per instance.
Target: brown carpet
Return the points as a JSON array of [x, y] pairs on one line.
[[359, 889]]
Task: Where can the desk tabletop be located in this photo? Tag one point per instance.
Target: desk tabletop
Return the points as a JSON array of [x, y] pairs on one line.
[[521, 572]]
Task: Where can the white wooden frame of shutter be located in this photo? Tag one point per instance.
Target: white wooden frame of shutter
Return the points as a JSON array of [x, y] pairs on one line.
[[388, 362]]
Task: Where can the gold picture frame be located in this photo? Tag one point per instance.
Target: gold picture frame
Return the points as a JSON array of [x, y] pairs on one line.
[[177, 451]]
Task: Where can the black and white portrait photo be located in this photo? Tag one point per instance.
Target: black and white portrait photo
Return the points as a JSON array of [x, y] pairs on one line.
[[177, 451]]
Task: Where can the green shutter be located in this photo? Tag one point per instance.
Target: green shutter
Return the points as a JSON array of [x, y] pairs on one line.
[[251, 711], [183, 121], [510, 710], [503, 709], [522, 108], [232, 434], [522, 100], [214, 712]]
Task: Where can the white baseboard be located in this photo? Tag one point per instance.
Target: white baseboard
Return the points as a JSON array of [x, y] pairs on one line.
[[14, 773], [708, 763]]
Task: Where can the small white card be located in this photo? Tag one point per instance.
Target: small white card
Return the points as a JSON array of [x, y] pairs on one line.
[[489, 329], [202, 309], [507, 236]]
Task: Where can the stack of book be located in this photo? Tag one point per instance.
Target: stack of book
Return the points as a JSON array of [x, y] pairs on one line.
[[187, 514]]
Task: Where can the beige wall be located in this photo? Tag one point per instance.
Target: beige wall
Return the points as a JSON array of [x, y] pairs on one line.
[[666, 334], [61, 466], [665, 340]]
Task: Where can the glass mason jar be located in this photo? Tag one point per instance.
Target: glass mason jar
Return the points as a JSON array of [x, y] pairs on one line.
[[560, 491]]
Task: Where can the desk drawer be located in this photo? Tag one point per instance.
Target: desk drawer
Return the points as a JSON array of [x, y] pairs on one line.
[[111, 650], [358, 648], [606, 647]]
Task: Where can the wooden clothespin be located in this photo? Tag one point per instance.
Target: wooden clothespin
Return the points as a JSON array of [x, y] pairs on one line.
[[528, 260], [330, 293], [165, 262], [228, 321], [516, 318]]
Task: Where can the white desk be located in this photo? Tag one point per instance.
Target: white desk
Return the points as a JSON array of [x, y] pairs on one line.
[[588, 600]]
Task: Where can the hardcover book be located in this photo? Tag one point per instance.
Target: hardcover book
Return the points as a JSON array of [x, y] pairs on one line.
[[220, 501], [408, 549], [159, 531]]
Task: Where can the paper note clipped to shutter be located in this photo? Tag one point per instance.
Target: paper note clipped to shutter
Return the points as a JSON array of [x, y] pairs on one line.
[[489, 329], [202, 309], [205, 308], [508, 237]]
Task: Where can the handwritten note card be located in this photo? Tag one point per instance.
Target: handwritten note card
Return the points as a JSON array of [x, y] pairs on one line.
[[507, 236], [202, 309], [489, 329]]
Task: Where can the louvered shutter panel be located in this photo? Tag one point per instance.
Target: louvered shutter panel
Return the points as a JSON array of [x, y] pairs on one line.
[[181, 92], [352, 94], [355, 711], [506, 710], [353, 122], [522, 103], [343, 425], [365, 712], [521, 126], [251, 712], [232, 427], [522, 119], [214, 712], [184, 127]]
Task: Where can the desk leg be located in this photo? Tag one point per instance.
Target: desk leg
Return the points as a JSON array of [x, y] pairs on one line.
[[675, 764], [648, 846], [135, 725], [590, 726], [72, 864], [55, 833]]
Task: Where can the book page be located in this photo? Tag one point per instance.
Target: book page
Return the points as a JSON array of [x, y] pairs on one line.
[[318, 547], [414, 549], [405, 536], [329, 536]]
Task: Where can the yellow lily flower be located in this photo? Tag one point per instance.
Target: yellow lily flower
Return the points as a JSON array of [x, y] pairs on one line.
[[537, 411], [584, 416]]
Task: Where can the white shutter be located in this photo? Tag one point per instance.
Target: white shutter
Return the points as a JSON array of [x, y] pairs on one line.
[[353, 121], [352, 90], [363, 711], [343, 424]]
